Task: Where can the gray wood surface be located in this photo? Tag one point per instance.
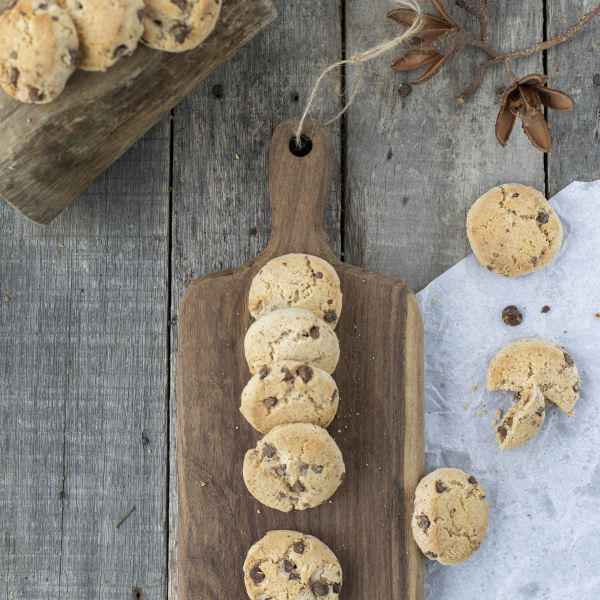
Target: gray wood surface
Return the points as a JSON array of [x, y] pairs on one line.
[[133, 248]]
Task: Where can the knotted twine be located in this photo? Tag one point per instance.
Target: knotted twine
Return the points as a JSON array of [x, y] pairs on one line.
[[359, 59]]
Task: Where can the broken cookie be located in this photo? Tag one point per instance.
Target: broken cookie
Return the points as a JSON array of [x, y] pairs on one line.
[[523, 419]]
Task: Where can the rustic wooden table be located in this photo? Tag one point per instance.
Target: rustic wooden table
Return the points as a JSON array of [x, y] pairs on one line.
[[88, 310]]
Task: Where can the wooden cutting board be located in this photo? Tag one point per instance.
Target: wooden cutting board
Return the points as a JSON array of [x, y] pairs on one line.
[[379, 426], [49, 153]]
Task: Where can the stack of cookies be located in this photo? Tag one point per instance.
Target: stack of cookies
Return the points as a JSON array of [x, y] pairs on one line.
[[291, 350], [42, 42]]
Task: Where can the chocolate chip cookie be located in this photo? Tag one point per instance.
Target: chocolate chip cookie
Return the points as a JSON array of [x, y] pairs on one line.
[[513, 230], [291, 334], [536, 361], [39, 50], [178, 25], [108, 29], [289, 392], [295, 466], [524, 418], [450, 516], [297, 281], [289, 565]]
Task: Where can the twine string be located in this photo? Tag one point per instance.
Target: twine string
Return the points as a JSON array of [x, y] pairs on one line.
[[359, 59]]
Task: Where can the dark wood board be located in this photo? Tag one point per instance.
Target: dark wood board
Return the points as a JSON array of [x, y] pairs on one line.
[[50, 153], [379, 426]]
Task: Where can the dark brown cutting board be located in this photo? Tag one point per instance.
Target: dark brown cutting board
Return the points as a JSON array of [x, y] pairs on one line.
[[379, 426], [49, 153]]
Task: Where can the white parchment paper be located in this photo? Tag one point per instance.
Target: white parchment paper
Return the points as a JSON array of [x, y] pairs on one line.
[[543, 539]]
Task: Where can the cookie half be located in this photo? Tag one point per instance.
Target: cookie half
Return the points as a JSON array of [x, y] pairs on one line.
[[286, 565], [450, 516], [108, 29], [513, 230], [291, 334], [297, 281], [523, 420], [39, 50], [289, 392], [178, 25], [536, 361], [295, 466]]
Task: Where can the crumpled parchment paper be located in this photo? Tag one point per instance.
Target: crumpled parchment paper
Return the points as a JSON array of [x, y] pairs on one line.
[[543, 538]]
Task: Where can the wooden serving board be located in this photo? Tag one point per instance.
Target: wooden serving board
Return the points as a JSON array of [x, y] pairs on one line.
[[50, 153], [379, 426]]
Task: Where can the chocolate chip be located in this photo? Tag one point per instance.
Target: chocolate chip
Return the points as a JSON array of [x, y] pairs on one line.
[[35, 95], [280, 470], [502, 431], [263, 372], [282, 495], [318, 469], [440, 487], [7, 6], [305, 373], [314, 332], [543, 217], [119, 51], [180, 4], [75, 57], [517, 396], [534, 259], [545, 309], [495, 254], [180, 32], [431, 554], [42, 6], [319, 275], [330, 316], [270, 402], [303, 469], [319, 588], [287, 566], [13, 76], [294, 577], [140, 14], [423, 522], [335, 588], [298, 487], [509, 421], [568, 359], [14, 54], [298, 547], [256, 574], [515, 195], [269, 450], [490, 268], [576, 388], [334, 395], [472, 480], [512, 316], [329, 301], [539, 412], [288, 376]]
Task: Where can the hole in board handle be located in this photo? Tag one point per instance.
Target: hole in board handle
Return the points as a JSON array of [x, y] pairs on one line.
[[303, 148]]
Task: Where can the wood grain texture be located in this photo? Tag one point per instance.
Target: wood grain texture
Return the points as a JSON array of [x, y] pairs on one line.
[[379, 426], [50, 153], [575, 154], [415, 165], [83, 389], [221, 213]]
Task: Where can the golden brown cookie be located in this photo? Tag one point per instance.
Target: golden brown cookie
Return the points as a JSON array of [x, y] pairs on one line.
[[450, 516], [513, 230], [289, 565], [523, 419]]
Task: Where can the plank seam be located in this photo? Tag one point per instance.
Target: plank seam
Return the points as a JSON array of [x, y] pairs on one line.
[[545, 34], [343, 137]]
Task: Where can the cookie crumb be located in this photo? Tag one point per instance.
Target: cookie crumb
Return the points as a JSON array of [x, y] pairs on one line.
[[7, 298], [474, 387], [545, 309], [494, 422], [498, 413], [465, 405], [570, 413], [203, 484], [512, 316], [597, 315]]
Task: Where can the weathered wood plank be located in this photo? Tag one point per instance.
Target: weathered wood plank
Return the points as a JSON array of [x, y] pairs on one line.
[[415, 165], [83, 398], [576, 151], [50, 153], [221, 214]]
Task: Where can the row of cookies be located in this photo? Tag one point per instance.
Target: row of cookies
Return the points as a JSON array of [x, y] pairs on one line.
[[42, 42], [291, 350]]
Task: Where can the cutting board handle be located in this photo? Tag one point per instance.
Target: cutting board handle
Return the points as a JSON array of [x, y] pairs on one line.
[[300, 182]]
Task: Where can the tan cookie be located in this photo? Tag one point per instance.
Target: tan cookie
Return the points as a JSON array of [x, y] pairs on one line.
[[178, 25], [291, 334], [39, 49], [289, 392], [523, 419], [545, 364], [294, 466], [513, 230], [297, 281], [108, 29], [289, 565], [450, 516]]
